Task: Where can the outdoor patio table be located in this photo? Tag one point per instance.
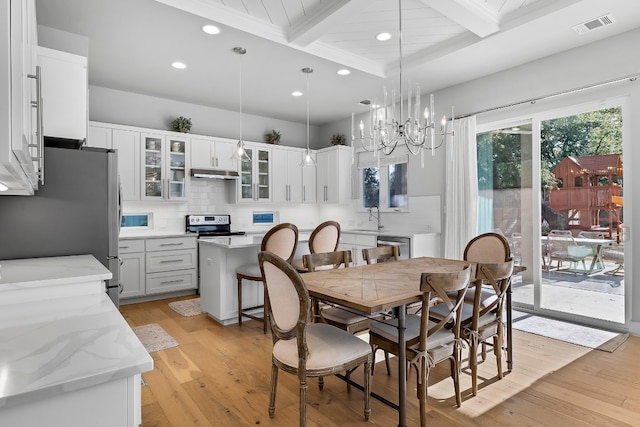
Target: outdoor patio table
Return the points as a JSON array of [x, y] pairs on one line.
[[596, 245]]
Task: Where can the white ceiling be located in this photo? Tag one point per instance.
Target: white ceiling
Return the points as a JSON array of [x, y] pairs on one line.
[[133, 42]]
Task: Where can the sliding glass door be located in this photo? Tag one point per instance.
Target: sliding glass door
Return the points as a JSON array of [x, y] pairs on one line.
[[553, 185]]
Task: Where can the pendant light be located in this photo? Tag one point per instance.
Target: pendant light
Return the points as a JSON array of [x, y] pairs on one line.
[[307, 160], [240, 153]]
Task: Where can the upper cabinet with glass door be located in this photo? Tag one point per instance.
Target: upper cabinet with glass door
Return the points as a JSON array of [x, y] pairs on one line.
[[254, 184], [165, 163]]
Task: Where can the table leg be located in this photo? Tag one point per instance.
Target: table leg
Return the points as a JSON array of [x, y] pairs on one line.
[[509, 331], [402, 368]]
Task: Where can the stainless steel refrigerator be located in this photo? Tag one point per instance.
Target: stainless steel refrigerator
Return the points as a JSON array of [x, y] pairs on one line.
[[75, 212]]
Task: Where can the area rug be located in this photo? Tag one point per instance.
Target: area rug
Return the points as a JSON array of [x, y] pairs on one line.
[[154, 338], [187, 307], [569, 332]]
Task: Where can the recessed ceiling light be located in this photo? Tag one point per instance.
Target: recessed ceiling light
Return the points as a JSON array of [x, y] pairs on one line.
[[179, 65], [344, 72], [296, 93], [211, 29], [383, 37]]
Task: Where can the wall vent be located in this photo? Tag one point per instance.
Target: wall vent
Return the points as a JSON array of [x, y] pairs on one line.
[[594, 24]]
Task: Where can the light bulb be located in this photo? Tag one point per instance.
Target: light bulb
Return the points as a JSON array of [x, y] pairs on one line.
[[426, 113]]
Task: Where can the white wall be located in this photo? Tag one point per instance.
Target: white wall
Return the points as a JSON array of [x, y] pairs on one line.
[[126, 108]]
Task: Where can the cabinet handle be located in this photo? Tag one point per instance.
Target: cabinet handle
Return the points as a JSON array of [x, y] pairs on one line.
[[37, 104], [167, 282], [166, 261], [171, 244]]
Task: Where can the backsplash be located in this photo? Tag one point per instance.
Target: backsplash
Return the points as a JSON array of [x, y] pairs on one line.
[[212, 196]]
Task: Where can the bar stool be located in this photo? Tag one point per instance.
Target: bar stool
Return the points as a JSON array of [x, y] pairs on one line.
[[324, 238], [282, 240]]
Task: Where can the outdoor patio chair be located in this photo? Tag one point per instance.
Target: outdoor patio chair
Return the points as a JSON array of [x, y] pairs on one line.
[[563, 247]]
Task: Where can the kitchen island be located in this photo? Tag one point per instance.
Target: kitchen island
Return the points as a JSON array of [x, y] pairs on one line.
[[67, 356], [219, 257]]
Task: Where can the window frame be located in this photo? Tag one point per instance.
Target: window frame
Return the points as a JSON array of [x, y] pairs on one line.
[[368, 160]]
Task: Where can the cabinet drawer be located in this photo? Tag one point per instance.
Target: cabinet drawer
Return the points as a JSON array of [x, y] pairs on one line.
[[170, 244], [169, 261], [130, 246], [171, 281]]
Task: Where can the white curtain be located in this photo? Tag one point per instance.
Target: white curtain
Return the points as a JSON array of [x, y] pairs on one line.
[[461, 189]]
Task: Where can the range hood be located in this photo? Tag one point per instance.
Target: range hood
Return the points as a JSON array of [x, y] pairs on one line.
[[214, 174]]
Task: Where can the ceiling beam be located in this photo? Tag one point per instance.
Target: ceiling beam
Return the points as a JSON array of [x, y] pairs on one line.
[[469, 14], [324, 18]]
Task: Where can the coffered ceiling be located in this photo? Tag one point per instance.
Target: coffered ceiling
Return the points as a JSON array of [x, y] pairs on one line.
[[132, 44]]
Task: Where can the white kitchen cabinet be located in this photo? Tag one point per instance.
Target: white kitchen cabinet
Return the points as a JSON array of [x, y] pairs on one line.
[[21, 144], [309, 181], [254, 184], [64, 93], [165, 162], [213, 153], [132, 271], [127, 143], [153, 266], [171, 264], [355, 243], [287, 175], [334, 175]]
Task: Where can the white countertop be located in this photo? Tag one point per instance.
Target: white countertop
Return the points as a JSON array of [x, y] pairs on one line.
[[51, 347], [247, 241], [19, 273]]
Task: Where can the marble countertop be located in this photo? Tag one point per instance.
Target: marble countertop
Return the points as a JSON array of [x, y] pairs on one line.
[[35, 272], [78, 340], [247, 241], [151, 234]]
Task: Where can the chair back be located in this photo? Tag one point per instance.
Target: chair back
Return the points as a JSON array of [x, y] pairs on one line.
[[449, 288], [290, 311], [496, 276], [281, 240], [325, 237], [487, 247], [381, 254], [591, 234], [334, 259]]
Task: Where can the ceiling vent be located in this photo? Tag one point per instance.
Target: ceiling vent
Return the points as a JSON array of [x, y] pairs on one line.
[[594, 24]]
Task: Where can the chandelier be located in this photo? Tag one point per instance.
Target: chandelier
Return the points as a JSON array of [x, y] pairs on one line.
[[417, 131]]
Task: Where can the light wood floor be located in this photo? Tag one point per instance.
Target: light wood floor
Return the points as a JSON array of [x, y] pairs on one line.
[[219, 376]]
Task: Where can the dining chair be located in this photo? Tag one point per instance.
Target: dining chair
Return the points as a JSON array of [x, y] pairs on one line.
[[342, 318], [483, 319], [324, 238], [281, 240], [429, 342], [301, 347], [381, 254]]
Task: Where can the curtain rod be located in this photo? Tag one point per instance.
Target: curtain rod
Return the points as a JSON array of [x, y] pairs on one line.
[[631, 78]]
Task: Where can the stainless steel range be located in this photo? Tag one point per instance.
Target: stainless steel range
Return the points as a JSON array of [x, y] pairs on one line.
[[211, 225]]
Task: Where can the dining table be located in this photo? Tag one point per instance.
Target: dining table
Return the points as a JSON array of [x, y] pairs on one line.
[[375, 288]]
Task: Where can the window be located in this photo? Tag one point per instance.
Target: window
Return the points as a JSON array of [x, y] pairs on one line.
[[384, 184]]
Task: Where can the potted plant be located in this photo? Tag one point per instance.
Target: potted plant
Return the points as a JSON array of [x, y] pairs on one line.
[[181, 124], [338, 139], [273, 137]]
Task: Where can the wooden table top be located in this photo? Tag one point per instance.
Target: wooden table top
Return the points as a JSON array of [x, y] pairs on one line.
[[376, 287]]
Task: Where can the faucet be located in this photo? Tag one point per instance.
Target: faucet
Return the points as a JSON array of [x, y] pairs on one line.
[[376, 216]]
